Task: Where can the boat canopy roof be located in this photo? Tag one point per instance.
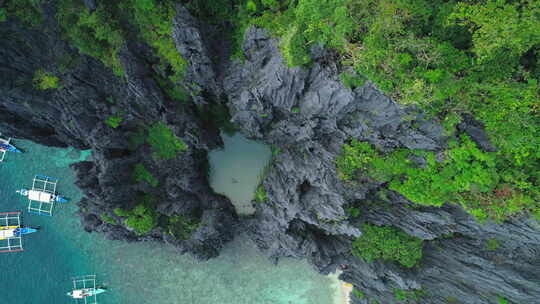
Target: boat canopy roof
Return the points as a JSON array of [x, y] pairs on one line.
[[78, 294], [39, 196], [7, 233]]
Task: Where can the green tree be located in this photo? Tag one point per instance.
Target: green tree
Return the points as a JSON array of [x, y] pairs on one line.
[[140, 174], [388, 244], [45, 81], [165, 144]]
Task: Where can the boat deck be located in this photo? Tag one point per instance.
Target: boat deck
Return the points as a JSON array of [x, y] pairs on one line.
[[12, 243], [40, 197], [83, 282]]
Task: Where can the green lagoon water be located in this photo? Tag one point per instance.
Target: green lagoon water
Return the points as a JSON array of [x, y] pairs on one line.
[[137, 273], [235, 170]]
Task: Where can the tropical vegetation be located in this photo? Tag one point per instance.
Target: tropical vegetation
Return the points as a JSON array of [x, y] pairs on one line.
[[387, 244]]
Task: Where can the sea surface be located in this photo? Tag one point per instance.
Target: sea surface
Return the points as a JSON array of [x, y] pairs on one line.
[[136, 273]]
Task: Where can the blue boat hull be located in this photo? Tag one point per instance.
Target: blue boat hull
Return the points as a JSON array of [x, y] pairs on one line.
[[10, 148], [25, 230], [60, 199]]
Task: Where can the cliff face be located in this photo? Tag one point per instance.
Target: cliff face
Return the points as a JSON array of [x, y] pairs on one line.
[[75, 114], [305, 112], [309, 114]]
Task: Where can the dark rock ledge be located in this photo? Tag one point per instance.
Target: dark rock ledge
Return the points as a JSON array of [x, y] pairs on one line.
[[307, 113]]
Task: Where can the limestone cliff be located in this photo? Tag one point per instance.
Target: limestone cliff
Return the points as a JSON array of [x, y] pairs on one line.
[[305, 112]]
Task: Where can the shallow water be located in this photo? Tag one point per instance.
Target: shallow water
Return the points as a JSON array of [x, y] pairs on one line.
[[235, 170], [137, 273]]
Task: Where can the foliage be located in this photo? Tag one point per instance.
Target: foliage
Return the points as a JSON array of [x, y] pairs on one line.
[[451, 299], [465, 176], [45, 80], [302, 24], [114, 121], [388, 244], [295, 110], [358, 294], [121, 212], [449, 58], [217, 115], [260, 194], [141, 174], [154, 20], [165, 144], [142, 218], [97, 33], [101, 33], [404, 295], [275, 150], [108, 219], [3, 14], [355, 156], [28, 11], [182, 227], [492, 244], [502, 300], [352, 81], [353, 212]]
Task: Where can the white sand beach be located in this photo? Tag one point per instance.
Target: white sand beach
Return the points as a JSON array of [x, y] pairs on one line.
[[342, 289]]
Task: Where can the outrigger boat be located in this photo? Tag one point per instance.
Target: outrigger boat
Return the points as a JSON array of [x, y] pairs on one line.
[[85, 290], [11, 232], [42, 196], [6, 146]]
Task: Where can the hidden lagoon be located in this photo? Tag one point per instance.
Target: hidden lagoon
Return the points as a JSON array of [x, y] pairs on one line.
[[146, 272]]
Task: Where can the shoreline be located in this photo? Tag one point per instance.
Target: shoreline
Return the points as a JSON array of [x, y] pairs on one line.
[[342, 289]]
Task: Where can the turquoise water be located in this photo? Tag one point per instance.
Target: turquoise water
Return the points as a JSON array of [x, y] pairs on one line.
[[235, 170], [138, 273]]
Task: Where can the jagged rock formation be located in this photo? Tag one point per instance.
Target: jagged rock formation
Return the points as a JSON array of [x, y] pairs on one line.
[[307, 113], [75, 115]]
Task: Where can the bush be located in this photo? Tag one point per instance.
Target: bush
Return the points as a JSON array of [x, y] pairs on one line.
[[358, 294], [155, 21], [467, 176], [3, 15], [502, 300], [114, 121], [44, 80], [140, 174], [182, 227], [97, 34], [388, 244], [165, 144], [121, 212], [143, 218], [404, 295], [492, 244], [353, 212], [352, 81], [355, 156], [108, 219], [28, 11], [260, 194]]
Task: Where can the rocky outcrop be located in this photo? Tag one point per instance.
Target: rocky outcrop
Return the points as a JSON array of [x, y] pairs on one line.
[[309, 114], [75, 114], [306, 113]]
